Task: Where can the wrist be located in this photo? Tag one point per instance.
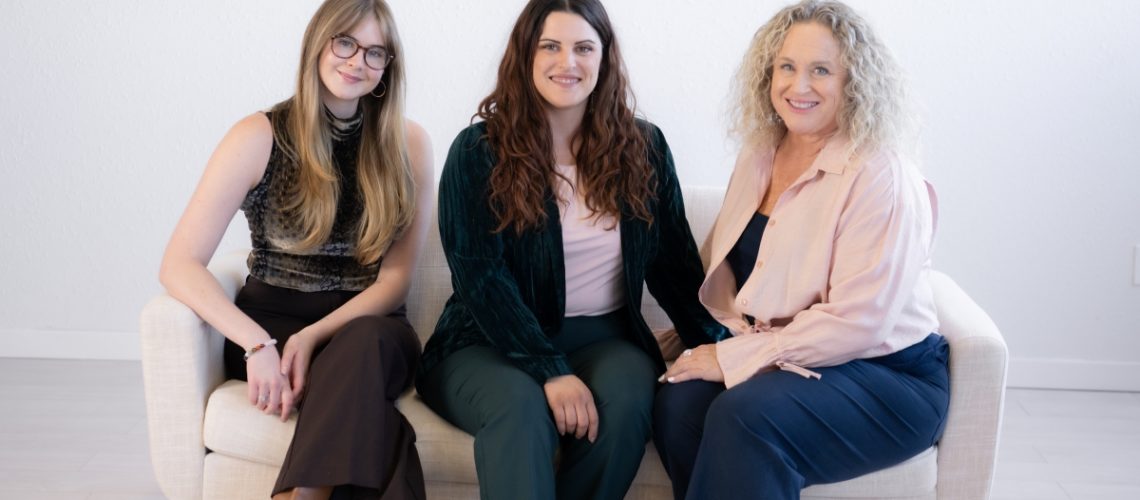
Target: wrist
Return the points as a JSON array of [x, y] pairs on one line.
[[563, 381], [310, 333], [258, 348]]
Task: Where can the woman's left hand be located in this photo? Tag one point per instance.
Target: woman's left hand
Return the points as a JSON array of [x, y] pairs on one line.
[[699, 363], [295, 359]]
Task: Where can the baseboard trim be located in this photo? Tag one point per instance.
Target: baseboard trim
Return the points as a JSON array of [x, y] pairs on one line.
[[69, 344], [1074, 374]]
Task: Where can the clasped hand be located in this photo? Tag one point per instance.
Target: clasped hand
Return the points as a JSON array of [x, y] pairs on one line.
[[277, 383]]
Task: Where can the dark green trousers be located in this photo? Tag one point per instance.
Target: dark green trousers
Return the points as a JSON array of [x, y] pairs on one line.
[[480, 391]]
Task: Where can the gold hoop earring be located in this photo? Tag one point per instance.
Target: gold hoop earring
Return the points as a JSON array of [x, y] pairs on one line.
[[383, 90]]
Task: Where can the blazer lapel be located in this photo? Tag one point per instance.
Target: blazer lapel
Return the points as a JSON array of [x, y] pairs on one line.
[[557, 256]]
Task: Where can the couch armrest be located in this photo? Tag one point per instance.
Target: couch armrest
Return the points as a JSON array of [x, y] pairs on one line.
[[967, 452], [182, 364]]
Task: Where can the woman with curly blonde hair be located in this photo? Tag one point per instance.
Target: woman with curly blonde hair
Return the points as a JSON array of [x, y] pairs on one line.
[[819, 265]]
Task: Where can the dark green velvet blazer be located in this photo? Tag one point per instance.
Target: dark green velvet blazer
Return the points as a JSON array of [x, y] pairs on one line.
[[510, 288]]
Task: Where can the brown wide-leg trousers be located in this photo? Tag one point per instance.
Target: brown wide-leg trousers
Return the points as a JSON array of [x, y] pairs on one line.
[[349, 434]]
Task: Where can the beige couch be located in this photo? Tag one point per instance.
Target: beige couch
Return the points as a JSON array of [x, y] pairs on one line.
[[206, 440]]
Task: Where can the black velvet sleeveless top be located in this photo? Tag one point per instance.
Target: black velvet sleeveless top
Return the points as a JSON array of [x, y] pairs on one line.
[[332, 264]]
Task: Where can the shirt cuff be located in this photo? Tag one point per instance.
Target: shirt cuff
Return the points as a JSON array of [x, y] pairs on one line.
[[745, 355]]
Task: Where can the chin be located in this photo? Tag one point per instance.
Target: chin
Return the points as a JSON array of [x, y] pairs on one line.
[[566, 104], [347, 95]]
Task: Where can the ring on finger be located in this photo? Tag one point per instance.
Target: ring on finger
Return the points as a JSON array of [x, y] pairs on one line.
[[262, 398]]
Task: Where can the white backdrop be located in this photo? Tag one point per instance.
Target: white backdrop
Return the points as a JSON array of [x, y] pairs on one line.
[[111, 108]]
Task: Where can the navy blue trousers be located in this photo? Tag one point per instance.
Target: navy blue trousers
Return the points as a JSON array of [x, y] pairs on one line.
[[777, 433]]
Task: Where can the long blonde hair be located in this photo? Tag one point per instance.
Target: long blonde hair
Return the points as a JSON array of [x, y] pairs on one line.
[[874, 113], [304, 135]]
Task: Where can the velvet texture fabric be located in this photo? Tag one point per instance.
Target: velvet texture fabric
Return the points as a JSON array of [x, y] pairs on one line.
[[510, 288], [332, 265]]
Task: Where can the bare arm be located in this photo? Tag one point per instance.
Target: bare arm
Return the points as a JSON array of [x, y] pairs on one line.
[[236, 166]]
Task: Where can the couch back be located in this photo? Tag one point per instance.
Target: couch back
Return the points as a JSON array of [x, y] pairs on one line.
[[431, 286]]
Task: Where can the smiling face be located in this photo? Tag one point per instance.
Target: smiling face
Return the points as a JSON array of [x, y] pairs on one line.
[[566, 62], [345, 81], [808, 80]]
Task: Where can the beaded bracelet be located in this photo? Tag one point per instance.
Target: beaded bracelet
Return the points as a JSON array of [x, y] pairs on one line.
[[253, 350]]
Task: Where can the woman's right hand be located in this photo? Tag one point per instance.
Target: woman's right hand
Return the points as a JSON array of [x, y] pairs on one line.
[[269, 389], [572, 404]]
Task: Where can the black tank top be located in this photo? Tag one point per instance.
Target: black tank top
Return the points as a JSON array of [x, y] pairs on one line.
[[742, 258], [332, 265]]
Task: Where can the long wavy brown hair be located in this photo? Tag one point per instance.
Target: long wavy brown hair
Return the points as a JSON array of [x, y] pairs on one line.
[[613, 167]]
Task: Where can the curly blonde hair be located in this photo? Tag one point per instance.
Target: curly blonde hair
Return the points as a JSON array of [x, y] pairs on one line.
[[874, 112]]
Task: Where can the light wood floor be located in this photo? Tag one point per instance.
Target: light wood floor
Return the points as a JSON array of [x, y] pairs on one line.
[[77, 430]]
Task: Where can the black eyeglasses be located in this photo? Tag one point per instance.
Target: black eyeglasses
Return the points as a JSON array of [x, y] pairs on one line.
[[345, 47]]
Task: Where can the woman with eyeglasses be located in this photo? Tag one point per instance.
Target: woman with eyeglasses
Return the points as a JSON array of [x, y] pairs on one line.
[[334, 182], [553, 213]]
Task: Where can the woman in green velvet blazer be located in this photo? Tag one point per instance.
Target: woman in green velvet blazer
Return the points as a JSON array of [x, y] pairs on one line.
[[507, 363], [510, 288]]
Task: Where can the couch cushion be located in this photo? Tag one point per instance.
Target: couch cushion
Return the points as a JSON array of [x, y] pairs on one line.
[[447, 454], [914, 478], [236, 428]]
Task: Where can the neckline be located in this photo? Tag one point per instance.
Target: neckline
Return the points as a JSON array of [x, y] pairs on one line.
[[342, 128]]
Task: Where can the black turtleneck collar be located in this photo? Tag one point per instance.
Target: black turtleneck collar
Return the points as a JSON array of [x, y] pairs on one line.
[[342, 128]]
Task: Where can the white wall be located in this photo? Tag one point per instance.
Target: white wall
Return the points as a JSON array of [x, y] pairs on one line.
[[111, 108]]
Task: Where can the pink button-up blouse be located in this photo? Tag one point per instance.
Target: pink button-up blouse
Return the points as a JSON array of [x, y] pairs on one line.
[[843, 268]]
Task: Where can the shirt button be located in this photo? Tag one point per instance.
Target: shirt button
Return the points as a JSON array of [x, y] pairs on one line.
[[743, 302], [771, 222], [759, 264]]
